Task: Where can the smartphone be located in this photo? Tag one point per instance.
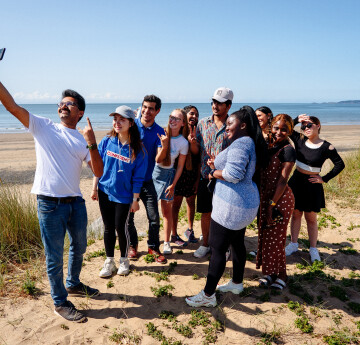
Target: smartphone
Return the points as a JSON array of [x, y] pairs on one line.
[[2, 52]]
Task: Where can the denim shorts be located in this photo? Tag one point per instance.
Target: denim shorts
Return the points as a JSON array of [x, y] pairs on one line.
[[162, 179]]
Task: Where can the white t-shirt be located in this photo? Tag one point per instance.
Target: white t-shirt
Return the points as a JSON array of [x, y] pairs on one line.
[[178, 145], [60, 152]]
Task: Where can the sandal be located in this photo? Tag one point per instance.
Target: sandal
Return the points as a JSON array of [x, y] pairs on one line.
[[279, 284], [265, 281]]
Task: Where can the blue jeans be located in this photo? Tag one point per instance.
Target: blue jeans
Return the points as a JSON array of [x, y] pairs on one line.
[[149, 198], [54, 219]]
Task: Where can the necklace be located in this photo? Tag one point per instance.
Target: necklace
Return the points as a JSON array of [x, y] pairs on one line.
[[120, 162]]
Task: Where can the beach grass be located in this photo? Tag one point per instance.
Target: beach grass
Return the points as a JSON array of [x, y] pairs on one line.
[[346, 186], [20, 238]]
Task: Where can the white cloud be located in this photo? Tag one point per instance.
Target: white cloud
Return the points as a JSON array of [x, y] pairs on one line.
[[35, 96]]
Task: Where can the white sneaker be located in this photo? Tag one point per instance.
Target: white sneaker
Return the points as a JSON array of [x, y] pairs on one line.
[[124, 267], [231, 287], [201, 300], [108, 269], [201, 252], [314, 254], [291, 248], [167, 248]]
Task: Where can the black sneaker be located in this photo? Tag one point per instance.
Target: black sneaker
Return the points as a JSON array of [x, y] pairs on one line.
[[68, 311], [83, 290]]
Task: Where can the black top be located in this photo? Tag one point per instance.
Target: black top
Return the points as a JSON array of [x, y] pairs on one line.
[[288, 153], [315, 157]]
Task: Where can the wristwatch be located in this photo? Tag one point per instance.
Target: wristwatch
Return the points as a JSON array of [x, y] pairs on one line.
[[212, 172], [136, 199], [92, 146]]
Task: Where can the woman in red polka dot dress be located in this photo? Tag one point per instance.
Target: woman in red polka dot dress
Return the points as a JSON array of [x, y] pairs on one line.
[[276, 205]]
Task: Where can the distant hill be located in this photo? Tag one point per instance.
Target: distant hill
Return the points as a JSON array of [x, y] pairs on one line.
[[356, 101]]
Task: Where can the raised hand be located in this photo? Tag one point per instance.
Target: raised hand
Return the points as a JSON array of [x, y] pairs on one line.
[[303, 118], [88, 133], [165, 139], [210, 161], [192, 134]]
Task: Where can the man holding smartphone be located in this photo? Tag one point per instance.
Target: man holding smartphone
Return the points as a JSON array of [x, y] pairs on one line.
[[60, 150]]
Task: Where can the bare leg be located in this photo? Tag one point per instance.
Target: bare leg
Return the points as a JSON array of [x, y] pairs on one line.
[[166, 208], [205, 227], [190, 210], [295, 225], [312, 227], [175, 212]]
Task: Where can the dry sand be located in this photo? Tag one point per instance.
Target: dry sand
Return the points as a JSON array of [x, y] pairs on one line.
[[130, 303]]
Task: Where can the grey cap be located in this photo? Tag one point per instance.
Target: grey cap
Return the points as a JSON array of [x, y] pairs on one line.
[[124, 111], [223, 94]]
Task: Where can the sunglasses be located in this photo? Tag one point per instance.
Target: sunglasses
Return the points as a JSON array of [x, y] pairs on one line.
[[68, 104], [173, 118], [308, 125]]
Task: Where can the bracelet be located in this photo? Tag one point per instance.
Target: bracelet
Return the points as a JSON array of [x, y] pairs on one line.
[[212, 172], [92, 146], [136, 199], [272, 202]]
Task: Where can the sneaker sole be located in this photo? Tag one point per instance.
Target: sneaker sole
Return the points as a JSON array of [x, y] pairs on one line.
[[123, 274], [107, 276], [197, 305], [79, 321], [79, 294], [234, 291]]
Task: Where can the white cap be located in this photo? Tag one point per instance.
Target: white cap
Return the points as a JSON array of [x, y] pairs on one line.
[[124, 111], [223, 94]]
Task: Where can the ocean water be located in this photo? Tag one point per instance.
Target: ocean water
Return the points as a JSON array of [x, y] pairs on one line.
[[328, 113]]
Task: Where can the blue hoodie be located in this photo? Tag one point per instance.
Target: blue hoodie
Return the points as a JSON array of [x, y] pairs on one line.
[[120, 186]]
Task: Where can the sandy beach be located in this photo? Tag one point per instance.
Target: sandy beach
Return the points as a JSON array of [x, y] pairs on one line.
[[130, 304]]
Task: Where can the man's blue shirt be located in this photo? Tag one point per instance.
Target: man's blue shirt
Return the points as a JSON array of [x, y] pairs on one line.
[[151, 141]]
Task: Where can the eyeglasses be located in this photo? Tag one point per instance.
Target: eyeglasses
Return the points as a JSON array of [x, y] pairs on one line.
[[68, 104], [308, 125], [173, 118]]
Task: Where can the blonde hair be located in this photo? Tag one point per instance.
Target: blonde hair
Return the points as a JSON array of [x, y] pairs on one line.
[[184, 130]]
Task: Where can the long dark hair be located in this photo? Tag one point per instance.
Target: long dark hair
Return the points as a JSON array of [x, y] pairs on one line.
[[247, 115], [134, 139]]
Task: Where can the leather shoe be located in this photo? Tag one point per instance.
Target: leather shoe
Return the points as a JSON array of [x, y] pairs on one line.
[[159, 258], [132, 253]]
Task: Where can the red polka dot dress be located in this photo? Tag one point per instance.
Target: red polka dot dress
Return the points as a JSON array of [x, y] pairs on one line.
[[271, 240]]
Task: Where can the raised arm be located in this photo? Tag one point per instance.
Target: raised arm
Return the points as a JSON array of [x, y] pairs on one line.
[[8, 101]]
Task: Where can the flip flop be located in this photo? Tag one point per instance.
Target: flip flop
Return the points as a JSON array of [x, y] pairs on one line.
[[265, 281], [278, 284]]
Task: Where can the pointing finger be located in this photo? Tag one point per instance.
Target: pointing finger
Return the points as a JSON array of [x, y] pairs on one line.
[[89, 123]]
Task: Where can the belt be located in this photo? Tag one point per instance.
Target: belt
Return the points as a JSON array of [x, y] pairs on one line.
[[65, 200]]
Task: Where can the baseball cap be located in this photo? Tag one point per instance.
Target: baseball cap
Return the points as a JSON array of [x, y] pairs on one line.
[[223, 94], [124, 111]]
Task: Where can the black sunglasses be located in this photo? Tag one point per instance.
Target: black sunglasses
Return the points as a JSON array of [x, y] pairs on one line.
[[308, 125]]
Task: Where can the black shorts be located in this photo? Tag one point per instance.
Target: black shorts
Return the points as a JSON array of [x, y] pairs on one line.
[[204, 197], [309, 197]]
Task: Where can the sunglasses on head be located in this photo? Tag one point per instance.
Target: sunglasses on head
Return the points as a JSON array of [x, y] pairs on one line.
[[308, 125]]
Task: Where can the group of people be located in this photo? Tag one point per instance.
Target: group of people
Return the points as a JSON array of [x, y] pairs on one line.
[[234, 167]]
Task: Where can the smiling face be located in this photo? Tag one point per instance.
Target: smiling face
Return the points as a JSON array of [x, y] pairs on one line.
[[176, 120], [69, 115], [219, 109], [280, 131], [312, 131], [234, 128], [121, 124], [148, 113], [263, 119], [192, 117]]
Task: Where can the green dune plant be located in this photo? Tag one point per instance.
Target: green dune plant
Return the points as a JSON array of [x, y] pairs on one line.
[[20, 238], [346, 185]]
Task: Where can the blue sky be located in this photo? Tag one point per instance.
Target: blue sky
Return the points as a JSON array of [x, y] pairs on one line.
[[118, 51]]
